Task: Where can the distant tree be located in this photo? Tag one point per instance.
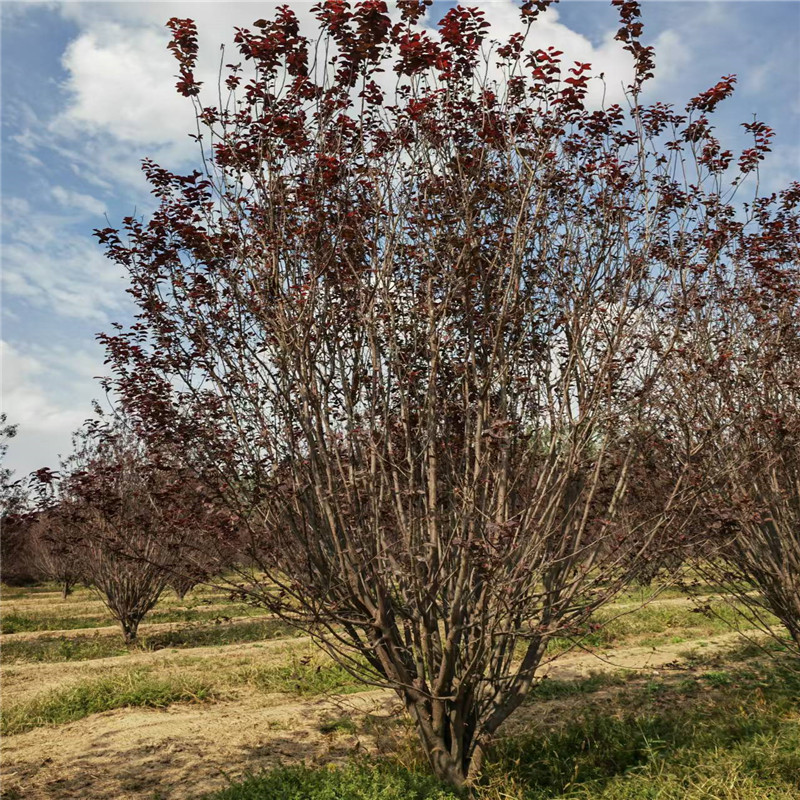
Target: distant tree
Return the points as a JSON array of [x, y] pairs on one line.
[[7, 431], [17, 563], [129, 513], [17, 559], [415, 338], [182, 585], [53, 551]]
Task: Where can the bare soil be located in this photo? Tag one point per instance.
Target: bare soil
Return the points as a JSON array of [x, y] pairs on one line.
[[144, 629], [188, 750]]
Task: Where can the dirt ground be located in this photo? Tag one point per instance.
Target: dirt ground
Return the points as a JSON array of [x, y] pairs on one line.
[[187, 750], [144, 629]]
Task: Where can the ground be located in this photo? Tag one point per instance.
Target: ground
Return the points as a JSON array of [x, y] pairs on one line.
[[204, 708]]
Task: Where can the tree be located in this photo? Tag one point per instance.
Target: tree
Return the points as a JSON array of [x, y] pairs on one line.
[[53, 552], [129, 514], [740, 377], [183, 585], [18, 563], [414, 338]]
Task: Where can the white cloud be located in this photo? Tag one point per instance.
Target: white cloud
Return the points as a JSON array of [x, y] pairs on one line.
[[51, 267], [46, 391], [77, 201], [120, 82], [121, 77]]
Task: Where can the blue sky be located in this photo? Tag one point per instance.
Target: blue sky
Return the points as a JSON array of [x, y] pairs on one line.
[[87, 92]]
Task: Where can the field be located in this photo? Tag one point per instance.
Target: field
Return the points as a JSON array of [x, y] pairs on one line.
[[221, 701]]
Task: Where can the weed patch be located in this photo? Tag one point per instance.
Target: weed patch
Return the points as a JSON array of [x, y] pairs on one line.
[[654, 625], [134, 689], [302, 679], [553, 689], [362, 781]]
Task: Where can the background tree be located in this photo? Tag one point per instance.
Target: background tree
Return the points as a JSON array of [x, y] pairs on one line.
[[414, 338], [128, 513], [17, 560], [53, 551], [740, 377]]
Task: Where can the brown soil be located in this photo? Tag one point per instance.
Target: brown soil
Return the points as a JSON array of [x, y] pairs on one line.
[[144, 629], [92, 608], [188, 750]]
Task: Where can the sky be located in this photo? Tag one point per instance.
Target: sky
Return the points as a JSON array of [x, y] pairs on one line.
[[88, 91]]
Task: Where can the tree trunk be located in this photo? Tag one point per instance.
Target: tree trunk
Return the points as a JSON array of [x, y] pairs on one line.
[[66, 589], [445, 766], [129, 630], [454, 751]]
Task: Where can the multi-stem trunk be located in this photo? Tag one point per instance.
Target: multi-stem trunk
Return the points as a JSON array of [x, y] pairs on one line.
[[454, 739], [456, 728], [130, 628]]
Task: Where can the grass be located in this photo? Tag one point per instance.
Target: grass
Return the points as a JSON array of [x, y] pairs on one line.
[[80, 648], [654, 625], [730, 734], [56, 648], [136, 688], [553, 689], [303, 679], [18, 592], [339, 725], [360, 781]]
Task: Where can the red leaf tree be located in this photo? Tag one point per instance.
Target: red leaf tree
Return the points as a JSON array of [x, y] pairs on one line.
[[739, 377], [414, 338], [129, 513]]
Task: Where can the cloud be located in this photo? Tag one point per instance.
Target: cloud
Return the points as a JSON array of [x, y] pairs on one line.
[[120, 83], [46, 391], [49, 266], [121, 77], [76, 201]]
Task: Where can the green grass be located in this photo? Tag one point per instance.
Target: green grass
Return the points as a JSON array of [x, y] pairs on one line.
[[80, 648], [654, 625], [360, 781], [340, 725], [553, 689], [18, 592], [732, 735], [301, 679], [729, 734], [136, 688], [16, 622], [55, 648]]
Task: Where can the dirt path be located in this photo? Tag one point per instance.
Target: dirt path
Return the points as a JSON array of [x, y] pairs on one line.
[[93, 610], [186, 751], [144, 629]]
